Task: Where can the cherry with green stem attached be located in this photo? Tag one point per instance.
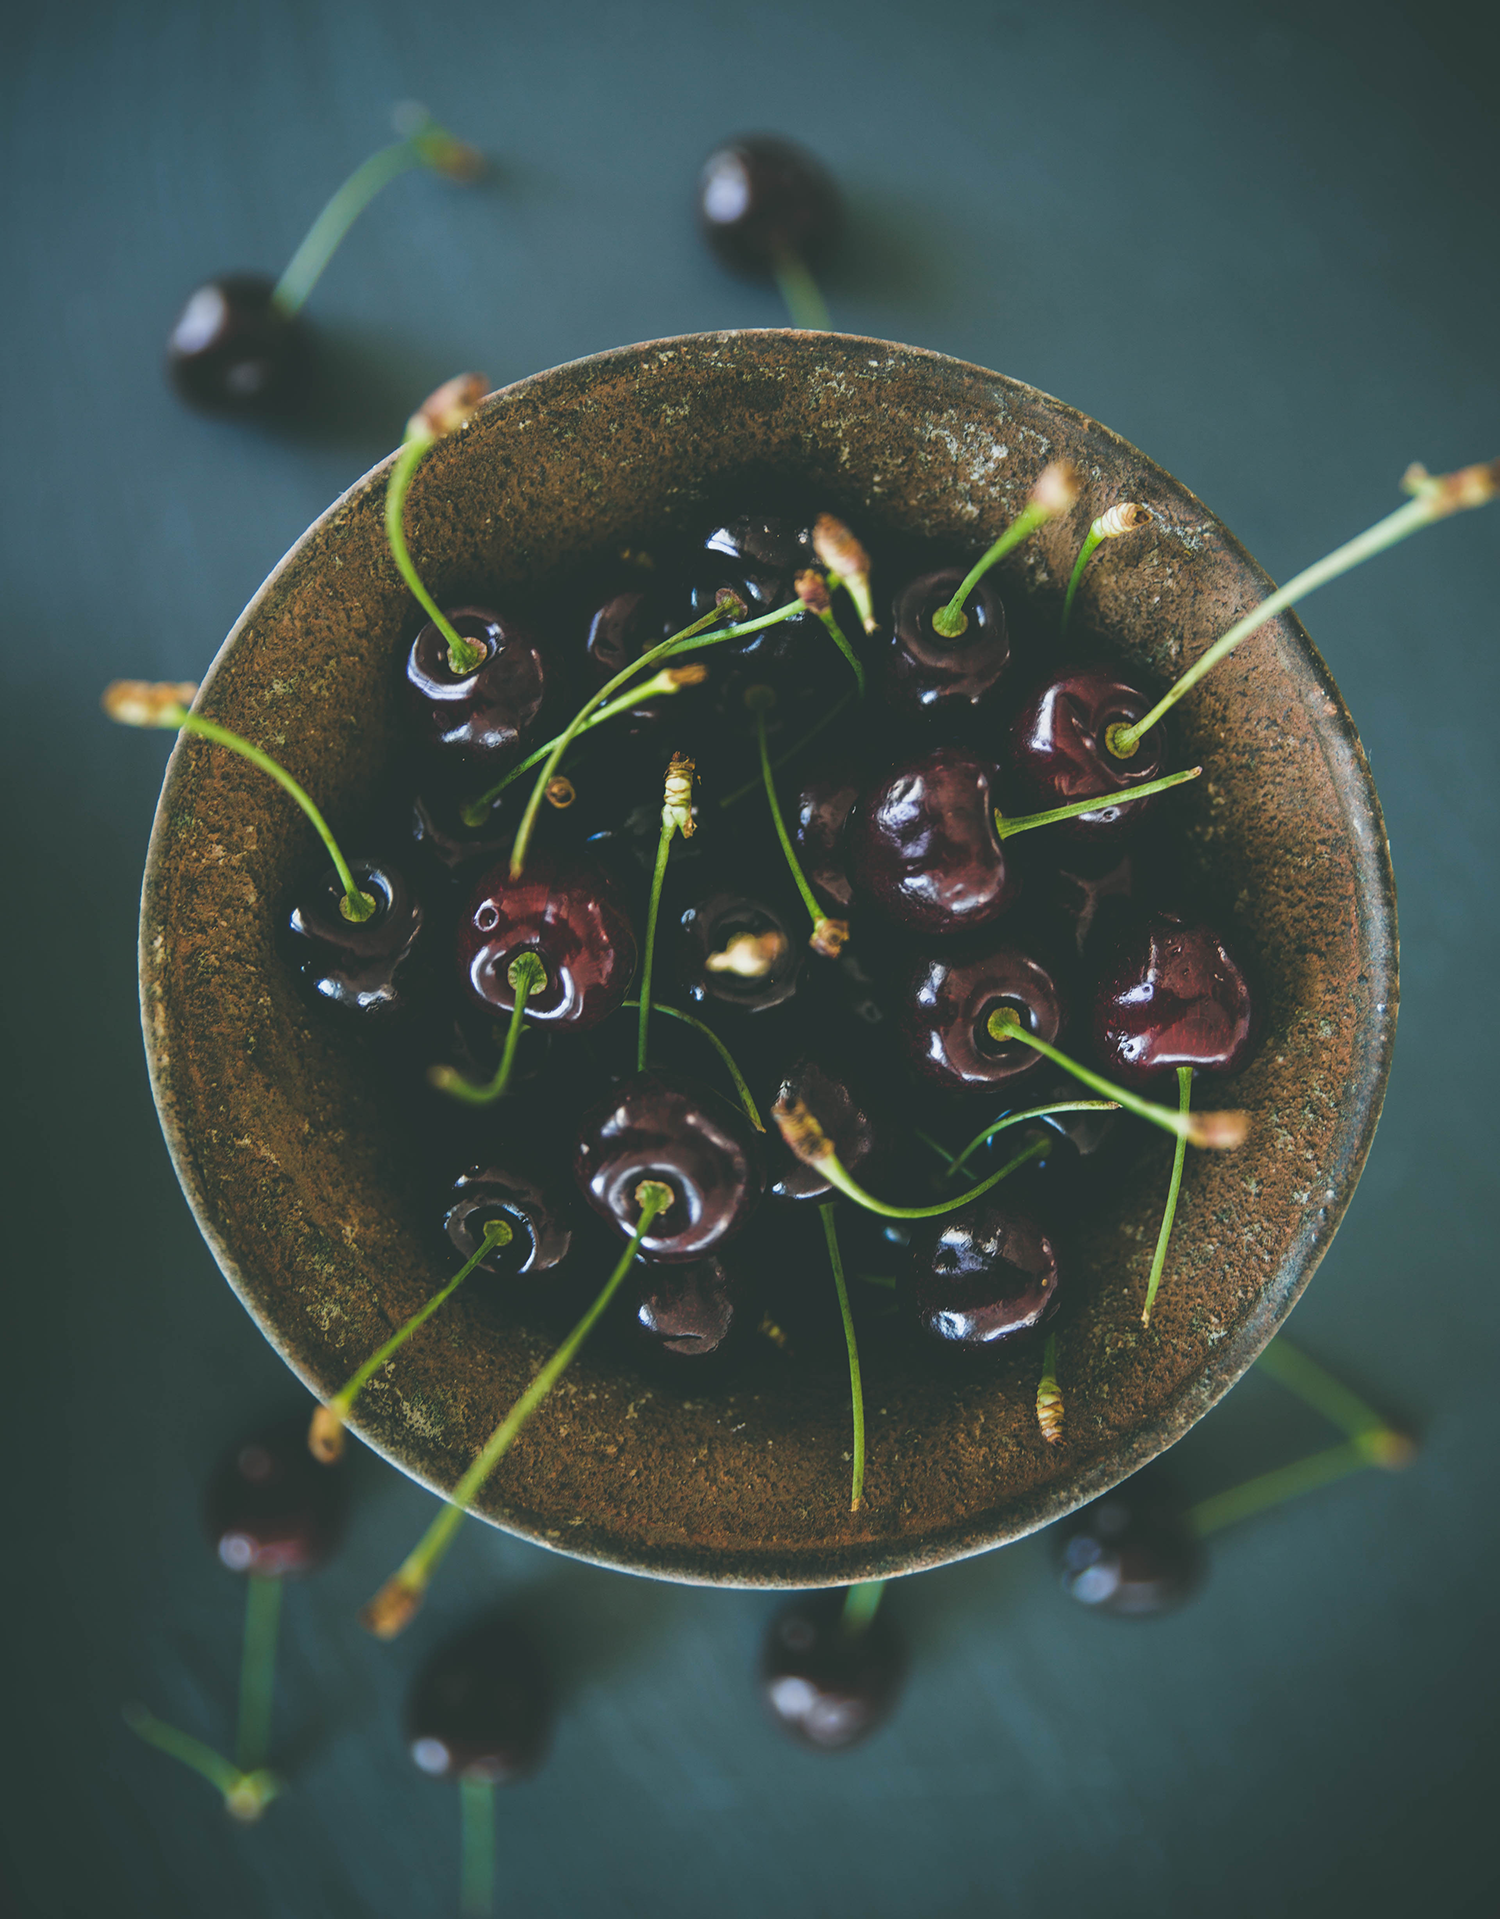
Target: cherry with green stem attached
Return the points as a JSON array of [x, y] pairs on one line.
[[1436, 496], [1159, 1257], [1055, 492], [752, 1112], [1127, 517], [444, 412], [676, 817], [325, 1437], [526, 977], [399, 1600], [1223, 1130], [165, 705], [829, 936], [856, 1388]]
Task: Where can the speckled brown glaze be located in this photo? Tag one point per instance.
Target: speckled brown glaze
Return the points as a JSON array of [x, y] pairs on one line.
[[291, 1157]]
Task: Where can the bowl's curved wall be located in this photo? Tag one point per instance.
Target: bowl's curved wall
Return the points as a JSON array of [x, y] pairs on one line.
[[288, 1155]]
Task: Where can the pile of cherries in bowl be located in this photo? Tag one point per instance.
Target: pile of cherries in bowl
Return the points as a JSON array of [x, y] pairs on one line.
[[1084, 929]]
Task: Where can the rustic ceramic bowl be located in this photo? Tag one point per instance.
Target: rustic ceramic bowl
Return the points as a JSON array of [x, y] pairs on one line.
[[292, 1157]]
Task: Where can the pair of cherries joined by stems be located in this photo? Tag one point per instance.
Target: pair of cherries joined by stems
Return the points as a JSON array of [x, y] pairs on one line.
[[547, 937]]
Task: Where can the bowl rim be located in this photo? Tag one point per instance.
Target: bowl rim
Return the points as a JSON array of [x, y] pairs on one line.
[[1227, 1360]]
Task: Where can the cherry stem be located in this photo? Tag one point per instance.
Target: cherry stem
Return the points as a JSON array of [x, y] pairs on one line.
[[1198, 1129], [861, 1603], [355, 905], [476, 812], [840, 639], [753, 785], [675, 1012], [477, 1867], [951, 621], [257, 1671], [658, 877], [828, 935], [1436, 498], [325, 1438], [1122, 518], [956, 1165], [526, 975], [1270, 1489], [805, 304], [1291, 1367], [1159, 1257], [856, 1388], [829, 1165], [686, 641], [1007, 829], [1049, 1399], [463, 655], [246, 1795], [398, 1600], [427, 145]]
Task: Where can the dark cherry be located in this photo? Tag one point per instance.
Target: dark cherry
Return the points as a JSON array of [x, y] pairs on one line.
[[572, 915], [374, 969], [709, 927], [1073, 1140], [761, 198], [232, 351], [938, 678], [697, 1312], [946, 1002], [623, 626], [844, 1117], [819, 826], [826, 1688], [1131, 1552], [1080, 902], [765, 545], [981, 1275], [447, 843], [924, 848], [1058, 754], [475, 720], [537, 1210], [1171, 994], [480, 1709], [664, 1126], [271, 1508]]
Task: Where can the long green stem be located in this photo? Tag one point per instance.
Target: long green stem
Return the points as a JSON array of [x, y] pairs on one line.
[[829, 1166], [686, 641], [951, 621], [1008, 828], [246, 1794], [753, 785], [1198, 1129], [1342, 1407], [463, 655], [805, 304], [1092, 539], [819, 918], [861, 1603], [477, 1889], [1159, 1257], [257, 1670], [752, 1112], [840, 639], [856, 1388], [1124, 517], [1431, 504], [1270, 1489], [1016, 1119], [356, 905], [305, 268], [399, 1599], [648, 961], [526, 975]]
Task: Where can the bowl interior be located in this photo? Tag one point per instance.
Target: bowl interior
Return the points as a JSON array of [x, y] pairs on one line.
[[299, 1170]]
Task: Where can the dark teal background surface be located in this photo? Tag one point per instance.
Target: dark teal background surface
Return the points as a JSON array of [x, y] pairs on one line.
[[1258, 240]]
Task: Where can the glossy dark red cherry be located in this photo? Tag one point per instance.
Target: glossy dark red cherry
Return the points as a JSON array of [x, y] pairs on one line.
[[572, 915], [481, 1708], [939, 678], [475, 720], [376, 968], [663, 1126], [946, 1001], [981, 1275], [765, 545], [1058, 754], [844, 1116], [232, 351], [819, 825], [761, 198], [739, 953], [824, 1687], [537, 1208], [271, 1508], [447, 843], [1171, 994], [924, 848], [699, 1312], [1132, 1552]]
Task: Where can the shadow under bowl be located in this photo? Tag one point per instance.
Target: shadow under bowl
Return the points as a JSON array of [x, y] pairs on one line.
[[284, 1137]]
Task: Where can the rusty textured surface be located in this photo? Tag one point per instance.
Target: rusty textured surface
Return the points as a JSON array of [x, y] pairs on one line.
[[286, 1145]]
